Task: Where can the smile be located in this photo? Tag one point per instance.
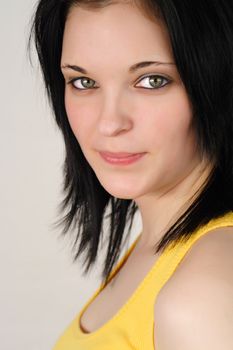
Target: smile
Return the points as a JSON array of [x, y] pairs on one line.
[[119, 159]]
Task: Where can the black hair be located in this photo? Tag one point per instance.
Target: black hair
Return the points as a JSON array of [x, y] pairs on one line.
[[201, 35]]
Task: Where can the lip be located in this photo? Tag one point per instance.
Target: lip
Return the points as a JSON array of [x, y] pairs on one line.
[[122, 158]]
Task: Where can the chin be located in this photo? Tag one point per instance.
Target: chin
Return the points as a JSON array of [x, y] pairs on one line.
[[121, 193], [122, 186]]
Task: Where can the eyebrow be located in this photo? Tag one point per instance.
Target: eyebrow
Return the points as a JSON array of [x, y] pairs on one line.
[[132, 69]]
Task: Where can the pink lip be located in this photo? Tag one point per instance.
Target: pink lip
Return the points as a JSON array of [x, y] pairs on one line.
[[121, 158]]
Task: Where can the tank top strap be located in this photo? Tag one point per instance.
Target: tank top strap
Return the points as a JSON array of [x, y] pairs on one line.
[[177, 253], [122, 259]]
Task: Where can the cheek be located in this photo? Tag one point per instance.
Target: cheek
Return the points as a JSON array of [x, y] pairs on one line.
[[78, 117], [167, 120]]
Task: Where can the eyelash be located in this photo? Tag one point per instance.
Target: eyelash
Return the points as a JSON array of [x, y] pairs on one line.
[[144, 77]]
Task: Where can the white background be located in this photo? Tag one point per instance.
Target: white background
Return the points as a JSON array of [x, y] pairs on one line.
[[41, 290]]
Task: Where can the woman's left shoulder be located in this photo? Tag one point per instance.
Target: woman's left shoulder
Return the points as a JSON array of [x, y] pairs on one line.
[[212, 253], [198, 297], [209, 262]]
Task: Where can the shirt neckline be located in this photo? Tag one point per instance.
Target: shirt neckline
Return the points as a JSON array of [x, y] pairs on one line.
[[78, 331]]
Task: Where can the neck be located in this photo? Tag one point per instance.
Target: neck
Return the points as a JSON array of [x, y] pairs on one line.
[[160, 210]]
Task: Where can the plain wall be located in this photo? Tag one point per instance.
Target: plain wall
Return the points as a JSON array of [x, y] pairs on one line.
[[41, 289]]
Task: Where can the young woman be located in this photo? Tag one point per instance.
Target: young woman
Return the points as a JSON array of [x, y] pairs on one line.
[[142, 92]]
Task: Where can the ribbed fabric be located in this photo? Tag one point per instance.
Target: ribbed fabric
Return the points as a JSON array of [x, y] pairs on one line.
[[132, 327]]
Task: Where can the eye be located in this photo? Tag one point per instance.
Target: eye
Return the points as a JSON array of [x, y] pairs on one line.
[[155, 81], [85, 82]]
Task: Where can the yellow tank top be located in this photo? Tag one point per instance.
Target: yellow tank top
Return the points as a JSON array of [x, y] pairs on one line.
[[132, 328]]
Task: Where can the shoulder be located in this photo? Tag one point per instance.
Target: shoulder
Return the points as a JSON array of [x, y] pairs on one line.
[[195, 309]]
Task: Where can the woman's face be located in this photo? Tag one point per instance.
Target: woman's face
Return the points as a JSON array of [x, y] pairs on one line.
[[116, 109]]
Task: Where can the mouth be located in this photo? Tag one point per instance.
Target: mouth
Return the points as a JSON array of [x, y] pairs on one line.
[[122, 158]]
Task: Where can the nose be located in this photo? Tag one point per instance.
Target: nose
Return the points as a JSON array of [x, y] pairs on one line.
[[114, 117]]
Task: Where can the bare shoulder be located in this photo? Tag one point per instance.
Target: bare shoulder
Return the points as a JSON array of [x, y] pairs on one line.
[[211, 254], [194, 310]]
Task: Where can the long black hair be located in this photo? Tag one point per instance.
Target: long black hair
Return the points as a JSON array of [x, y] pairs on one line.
[[201, 35]]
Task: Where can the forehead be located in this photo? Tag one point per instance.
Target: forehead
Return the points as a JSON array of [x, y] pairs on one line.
[[119, 31]]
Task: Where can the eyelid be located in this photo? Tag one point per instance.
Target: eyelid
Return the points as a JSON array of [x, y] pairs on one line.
[[155, 74], [71, 80]]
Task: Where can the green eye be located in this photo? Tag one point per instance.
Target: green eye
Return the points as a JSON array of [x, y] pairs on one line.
[[155, 81], [85, 82]]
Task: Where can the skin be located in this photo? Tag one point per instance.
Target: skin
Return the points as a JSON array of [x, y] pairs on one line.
[[126, 113]]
